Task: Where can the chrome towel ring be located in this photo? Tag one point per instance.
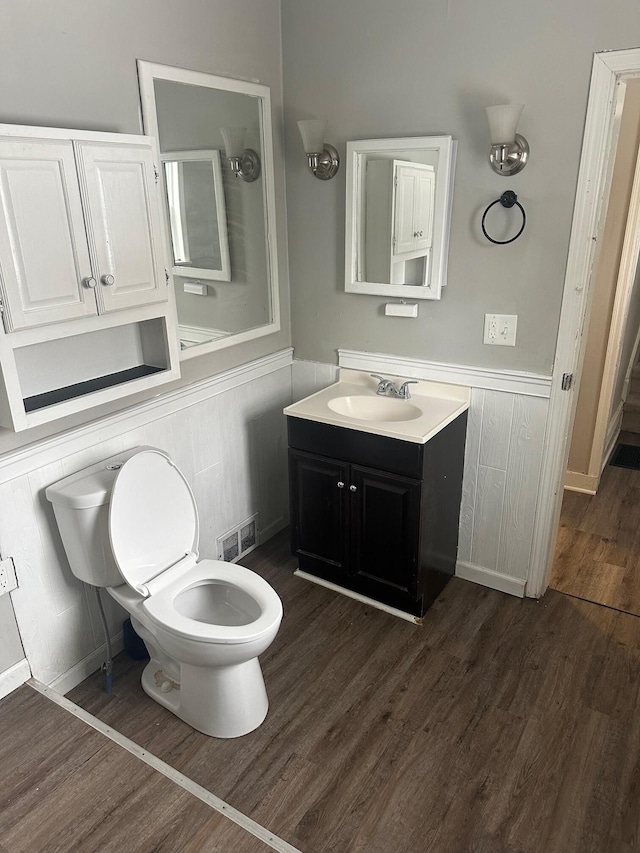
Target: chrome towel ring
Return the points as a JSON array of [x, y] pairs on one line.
[[507, 199]]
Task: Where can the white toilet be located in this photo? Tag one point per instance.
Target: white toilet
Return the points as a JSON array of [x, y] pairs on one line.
[[130, 524]]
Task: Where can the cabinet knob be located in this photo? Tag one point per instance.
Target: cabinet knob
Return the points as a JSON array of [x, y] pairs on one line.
[[89, 281], [353, 488], [107, 279], [340, 484]]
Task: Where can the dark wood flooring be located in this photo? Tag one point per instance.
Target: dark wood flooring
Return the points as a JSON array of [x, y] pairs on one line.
[[499, 726], [598, 550], [65, 787]]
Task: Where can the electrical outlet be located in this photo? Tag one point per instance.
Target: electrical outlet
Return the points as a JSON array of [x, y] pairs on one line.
[[500, 329], [8, 580]]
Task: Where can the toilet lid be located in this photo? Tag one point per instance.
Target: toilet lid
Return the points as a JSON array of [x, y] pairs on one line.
[[153, 519]]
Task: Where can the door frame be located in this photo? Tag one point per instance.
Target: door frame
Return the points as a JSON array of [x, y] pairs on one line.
[[610, 71], [604, 442]]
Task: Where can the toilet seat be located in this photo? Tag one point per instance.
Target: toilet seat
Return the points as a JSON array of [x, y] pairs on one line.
[[153, 518], [153, 531], [161, 609]]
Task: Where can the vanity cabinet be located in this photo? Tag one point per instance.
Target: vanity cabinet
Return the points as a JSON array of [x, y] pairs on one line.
[[399, 216], [80, 229], [86, 317], [376, 515]]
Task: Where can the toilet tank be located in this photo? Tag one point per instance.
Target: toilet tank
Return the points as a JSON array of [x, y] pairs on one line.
[[81, 507]]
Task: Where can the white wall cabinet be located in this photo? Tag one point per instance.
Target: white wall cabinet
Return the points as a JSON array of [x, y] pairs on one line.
[[83, 275], [80, 229]]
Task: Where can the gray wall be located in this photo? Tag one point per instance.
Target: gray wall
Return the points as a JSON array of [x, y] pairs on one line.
[[73, 64], [378, 69]]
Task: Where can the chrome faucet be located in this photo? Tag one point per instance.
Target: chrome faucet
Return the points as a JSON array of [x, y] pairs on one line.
[[385, 385]]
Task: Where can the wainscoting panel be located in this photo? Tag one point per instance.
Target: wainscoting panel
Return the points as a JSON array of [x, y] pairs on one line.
[[311, 376], [228, 437]]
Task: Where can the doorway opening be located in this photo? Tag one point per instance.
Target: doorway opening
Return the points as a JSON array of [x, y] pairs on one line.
[[597, 554]]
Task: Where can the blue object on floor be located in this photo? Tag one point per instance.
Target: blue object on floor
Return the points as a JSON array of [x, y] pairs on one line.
[[133, 644]]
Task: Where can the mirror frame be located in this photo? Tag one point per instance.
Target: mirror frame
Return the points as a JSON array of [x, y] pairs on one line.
[[354, 237], [209, 156], [150, 71]]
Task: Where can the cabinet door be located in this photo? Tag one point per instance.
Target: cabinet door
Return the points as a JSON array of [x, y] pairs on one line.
[[44, 256], [405, 181], [385, 536], [121, 198], [318, 513], [423, 210]]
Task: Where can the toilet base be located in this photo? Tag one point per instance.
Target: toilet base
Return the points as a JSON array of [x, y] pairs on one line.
[[224, 702]]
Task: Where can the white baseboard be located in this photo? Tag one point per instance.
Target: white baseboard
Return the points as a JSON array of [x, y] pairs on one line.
[[13, 677], [494, 580], [84, 668], [587, 484], [276, 526]]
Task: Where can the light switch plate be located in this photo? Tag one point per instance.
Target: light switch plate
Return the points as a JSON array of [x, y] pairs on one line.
[[500, 329]]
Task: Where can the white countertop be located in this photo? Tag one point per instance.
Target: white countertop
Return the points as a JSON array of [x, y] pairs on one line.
[[433, 406]]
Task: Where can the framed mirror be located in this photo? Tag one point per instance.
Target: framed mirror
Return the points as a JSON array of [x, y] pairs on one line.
[[220, 203], [197, 214], [398, 216]]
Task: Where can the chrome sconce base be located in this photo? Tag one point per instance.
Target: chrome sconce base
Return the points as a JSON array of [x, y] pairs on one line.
[[511, 158], [246, 167], [324, 166]]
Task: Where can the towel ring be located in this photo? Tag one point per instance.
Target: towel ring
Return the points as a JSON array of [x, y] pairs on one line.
[[507, 199]]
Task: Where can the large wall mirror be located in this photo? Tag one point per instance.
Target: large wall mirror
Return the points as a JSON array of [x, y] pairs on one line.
[[398, 215], [220, 203]]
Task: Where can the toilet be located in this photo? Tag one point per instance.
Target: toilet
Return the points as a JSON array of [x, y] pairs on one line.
[[130, 524]]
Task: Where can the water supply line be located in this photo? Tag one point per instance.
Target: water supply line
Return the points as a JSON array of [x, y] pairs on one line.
[[107, 666]]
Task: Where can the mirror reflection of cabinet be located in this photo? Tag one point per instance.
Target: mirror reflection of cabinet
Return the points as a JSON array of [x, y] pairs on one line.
[[197, 215], [398, 214], [399, 218]]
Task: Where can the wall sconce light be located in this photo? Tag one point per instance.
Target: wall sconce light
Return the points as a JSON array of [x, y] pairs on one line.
[[322, 158], [509, 150], [244, 162]]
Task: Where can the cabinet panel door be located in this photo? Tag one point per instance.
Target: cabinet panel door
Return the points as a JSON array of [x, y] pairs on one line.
[[318, 508], [423, 215], [404, 202], [385, 535], [44, 255], [122, 200]]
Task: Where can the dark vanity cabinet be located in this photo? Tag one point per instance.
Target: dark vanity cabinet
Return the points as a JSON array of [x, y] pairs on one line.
[[376, 515]]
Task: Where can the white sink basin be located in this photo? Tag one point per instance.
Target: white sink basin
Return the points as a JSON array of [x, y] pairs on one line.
[[353, 403], [378, 409]]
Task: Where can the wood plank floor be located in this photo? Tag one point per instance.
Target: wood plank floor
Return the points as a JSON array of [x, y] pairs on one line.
[[499, 726], [598, 550], [65, 787]]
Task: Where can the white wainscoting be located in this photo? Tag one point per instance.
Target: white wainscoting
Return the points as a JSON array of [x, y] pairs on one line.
[[311, 376], [503, 458], [227, 434]]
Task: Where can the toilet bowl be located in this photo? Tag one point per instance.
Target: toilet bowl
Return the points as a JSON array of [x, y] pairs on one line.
[[130, 524]]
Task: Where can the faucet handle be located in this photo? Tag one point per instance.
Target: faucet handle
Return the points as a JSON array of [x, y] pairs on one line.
[[383, 384], [403, 391]]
